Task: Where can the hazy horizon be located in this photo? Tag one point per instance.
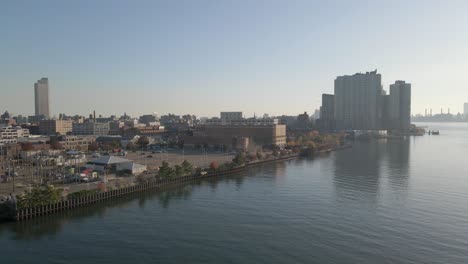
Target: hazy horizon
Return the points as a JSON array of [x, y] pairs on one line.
[[203, 57]]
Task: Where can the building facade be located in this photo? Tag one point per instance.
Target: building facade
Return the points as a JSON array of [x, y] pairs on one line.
[[247, 121], [229, 135], [91, 128], [358, 101], [41, 97], [79, 143], [465, 110], [398, 106], [55, 127], [9, 134], [228, 116], [327, 113]]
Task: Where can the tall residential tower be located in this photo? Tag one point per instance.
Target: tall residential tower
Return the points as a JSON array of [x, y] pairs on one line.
[[41, 97], [399, 106], [358, 101]]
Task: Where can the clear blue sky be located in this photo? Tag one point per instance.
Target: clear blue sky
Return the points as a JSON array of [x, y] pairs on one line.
[[203, 57]]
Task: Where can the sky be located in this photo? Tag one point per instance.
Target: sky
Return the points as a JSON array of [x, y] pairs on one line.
[[203, 57]]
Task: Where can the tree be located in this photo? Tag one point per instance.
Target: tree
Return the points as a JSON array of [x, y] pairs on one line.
[[106, 147], [259, 155], [165, 170], [275, 153], [225, 148], [131, 146], [28, 146], [311, 145], [178, 171], [39, 197], [187, 167], [239, 159], [143, 141], [115, 144], [172, 144], [181, 144], [93, 146], [213, 165]]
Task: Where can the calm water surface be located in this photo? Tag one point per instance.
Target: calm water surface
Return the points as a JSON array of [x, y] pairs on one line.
[[395, 201]]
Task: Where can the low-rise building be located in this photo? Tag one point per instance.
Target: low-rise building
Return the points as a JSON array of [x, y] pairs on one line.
[[55, 127], [227, 116], [113, 163], [9, 134], [36, 119], [143, 131], [115, 127], [91, 128], [79, 143], [234, 135], [243, 122], [149, 119]]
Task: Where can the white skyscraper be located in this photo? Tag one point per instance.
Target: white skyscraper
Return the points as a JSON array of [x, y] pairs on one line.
[[41, 97]]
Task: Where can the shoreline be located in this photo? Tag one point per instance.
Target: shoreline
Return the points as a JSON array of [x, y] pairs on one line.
[[23, 214]]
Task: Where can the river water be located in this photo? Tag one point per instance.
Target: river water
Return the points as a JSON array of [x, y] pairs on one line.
[[394, 201]]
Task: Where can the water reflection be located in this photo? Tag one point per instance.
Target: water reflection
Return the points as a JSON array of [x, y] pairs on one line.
[[51, 225], [360, 169], [398, 153]]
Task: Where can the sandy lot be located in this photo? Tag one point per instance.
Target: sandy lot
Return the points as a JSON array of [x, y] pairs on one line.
[[198, 159]]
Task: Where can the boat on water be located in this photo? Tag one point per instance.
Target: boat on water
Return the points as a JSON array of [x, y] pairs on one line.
[[434, 132]]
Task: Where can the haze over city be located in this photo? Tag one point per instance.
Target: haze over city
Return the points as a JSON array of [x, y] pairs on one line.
[[203, 57], [234, 131]]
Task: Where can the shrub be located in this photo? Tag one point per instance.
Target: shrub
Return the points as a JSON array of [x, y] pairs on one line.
[[39, 197]]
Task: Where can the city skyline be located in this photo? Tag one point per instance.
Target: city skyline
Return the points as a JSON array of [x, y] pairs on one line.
[[173, 58]]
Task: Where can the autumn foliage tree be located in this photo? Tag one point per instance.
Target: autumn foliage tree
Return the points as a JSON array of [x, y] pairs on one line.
[[143, 141], [131, 146], [93, 147], [28, 146], [56, 145], [213, 165]]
